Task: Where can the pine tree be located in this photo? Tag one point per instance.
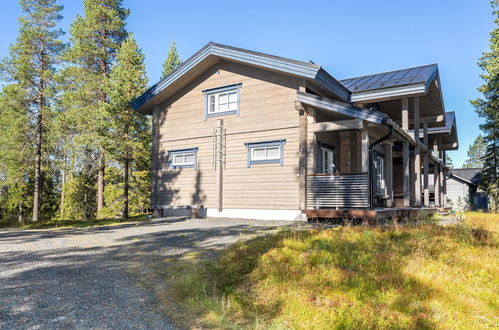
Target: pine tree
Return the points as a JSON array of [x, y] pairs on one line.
[[16, 153], [32, 64], [487, 107], [130, 129], [476, 153], [95, 39], [172, 61], [448, 161]]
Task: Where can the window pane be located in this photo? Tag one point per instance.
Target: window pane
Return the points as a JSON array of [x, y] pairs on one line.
[[258, 153], [189, 158], [223, 98], [232, 106], [273, 153], [212, 103], [233, 97], [178, 159]]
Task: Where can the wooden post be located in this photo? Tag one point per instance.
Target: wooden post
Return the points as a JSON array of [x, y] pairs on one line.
[[405, 114], [405, 170], [302, 171], [444, 182], [365, 151], [389, 173], [426, 191], [219, 131], [436, 183], [417, 154], [311, 141]]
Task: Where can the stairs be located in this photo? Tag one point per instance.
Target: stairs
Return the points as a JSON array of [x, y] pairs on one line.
[[444, 210]]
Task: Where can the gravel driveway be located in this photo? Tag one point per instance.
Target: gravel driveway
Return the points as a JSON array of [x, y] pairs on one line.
[[81, 278]]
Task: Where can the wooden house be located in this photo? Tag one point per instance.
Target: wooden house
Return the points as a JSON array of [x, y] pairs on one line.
[[237, 133]]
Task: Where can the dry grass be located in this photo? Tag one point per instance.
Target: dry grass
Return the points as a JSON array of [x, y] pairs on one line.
[[423, 276], [70, 223]]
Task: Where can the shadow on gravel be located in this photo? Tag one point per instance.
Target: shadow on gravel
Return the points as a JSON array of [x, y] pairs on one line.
[[89, 286]]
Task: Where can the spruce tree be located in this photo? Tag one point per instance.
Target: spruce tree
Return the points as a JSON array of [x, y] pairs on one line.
[[487, 107], [95, 39], [172, 61], [129, 130], [476, 153], [31, 65]]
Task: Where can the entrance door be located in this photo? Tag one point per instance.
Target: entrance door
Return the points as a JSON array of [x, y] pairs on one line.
[[328, 160]]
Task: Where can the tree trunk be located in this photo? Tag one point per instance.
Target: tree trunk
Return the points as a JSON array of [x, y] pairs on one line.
[[127, 165], [38, 161], [102, 160], [63, 187], [100, 181], [20, 216]]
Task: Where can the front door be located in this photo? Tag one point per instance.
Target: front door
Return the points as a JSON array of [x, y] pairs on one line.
[[327, 160]]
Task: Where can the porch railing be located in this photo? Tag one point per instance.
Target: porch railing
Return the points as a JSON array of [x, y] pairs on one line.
[[349, 191]]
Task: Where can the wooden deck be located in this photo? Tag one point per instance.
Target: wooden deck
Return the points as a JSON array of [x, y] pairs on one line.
[[368, 216]]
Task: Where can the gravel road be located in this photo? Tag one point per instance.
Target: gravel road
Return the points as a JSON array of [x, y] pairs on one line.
[[80, 277]]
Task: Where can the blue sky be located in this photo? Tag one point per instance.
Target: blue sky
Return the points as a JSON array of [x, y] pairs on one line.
[[348, 38]]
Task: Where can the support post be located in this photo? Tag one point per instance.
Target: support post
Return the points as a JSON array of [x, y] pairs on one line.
[[219, 132], [436, 183], [405, 168], [444, 182], [426, 191], [365, 151], [303, 159], [405, 114], [389, 173], [417, 155]]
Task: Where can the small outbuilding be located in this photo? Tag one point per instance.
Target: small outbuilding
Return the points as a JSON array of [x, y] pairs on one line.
[[463, 192]]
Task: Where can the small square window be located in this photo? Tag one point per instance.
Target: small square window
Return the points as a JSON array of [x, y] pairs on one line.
[[222, 101]]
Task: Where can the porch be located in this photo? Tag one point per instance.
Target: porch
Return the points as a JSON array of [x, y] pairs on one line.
[[358, 162]]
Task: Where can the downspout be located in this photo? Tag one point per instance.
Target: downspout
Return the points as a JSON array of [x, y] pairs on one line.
[[371, 156]]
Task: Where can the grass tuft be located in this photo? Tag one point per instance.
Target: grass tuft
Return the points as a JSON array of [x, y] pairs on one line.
[[425, 276]]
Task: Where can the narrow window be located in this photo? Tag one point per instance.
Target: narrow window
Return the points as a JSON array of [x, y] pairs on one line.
[[266, 152], [222, 100], [185, 158], [328, 160], [379, 164]]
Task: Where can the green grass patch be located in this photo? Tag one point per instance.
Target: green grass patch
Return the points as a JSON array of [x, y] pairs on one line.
[[422, 277]]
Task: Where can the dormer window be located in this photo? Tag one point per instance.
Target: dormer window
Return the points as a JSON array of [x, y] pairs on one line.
[[222, 100]]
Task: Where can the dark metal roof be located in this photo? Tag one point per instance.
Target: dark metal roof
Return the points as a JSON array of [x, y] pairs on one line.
[[411, 76], [469, 174]]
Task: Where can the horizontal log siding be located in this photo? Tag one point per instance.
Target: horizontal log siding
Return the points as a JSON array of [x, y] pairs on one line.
[[267, 112]]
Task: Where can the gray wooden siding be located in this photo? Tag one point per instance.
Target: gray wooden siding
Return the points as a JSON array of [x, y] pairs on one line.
[[267, 112]]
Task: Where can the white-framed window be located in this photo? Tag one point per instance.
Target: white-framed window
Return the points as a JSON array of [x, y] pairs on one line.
[[184, 158], [266, 152], [328, 160], [222, 100]]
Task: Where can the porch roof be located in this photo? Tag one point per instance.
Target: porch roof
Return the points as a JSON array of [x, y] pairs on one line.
[[372, 116], [421, 75]]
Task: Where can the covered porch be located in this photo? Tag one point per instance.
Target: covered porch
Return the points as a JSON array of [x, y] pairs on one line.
[[359, 162]]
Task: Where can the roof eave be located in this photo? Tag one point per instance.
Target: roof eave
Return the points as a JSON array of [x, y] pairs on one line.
[[311, 72], [390, 93]]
